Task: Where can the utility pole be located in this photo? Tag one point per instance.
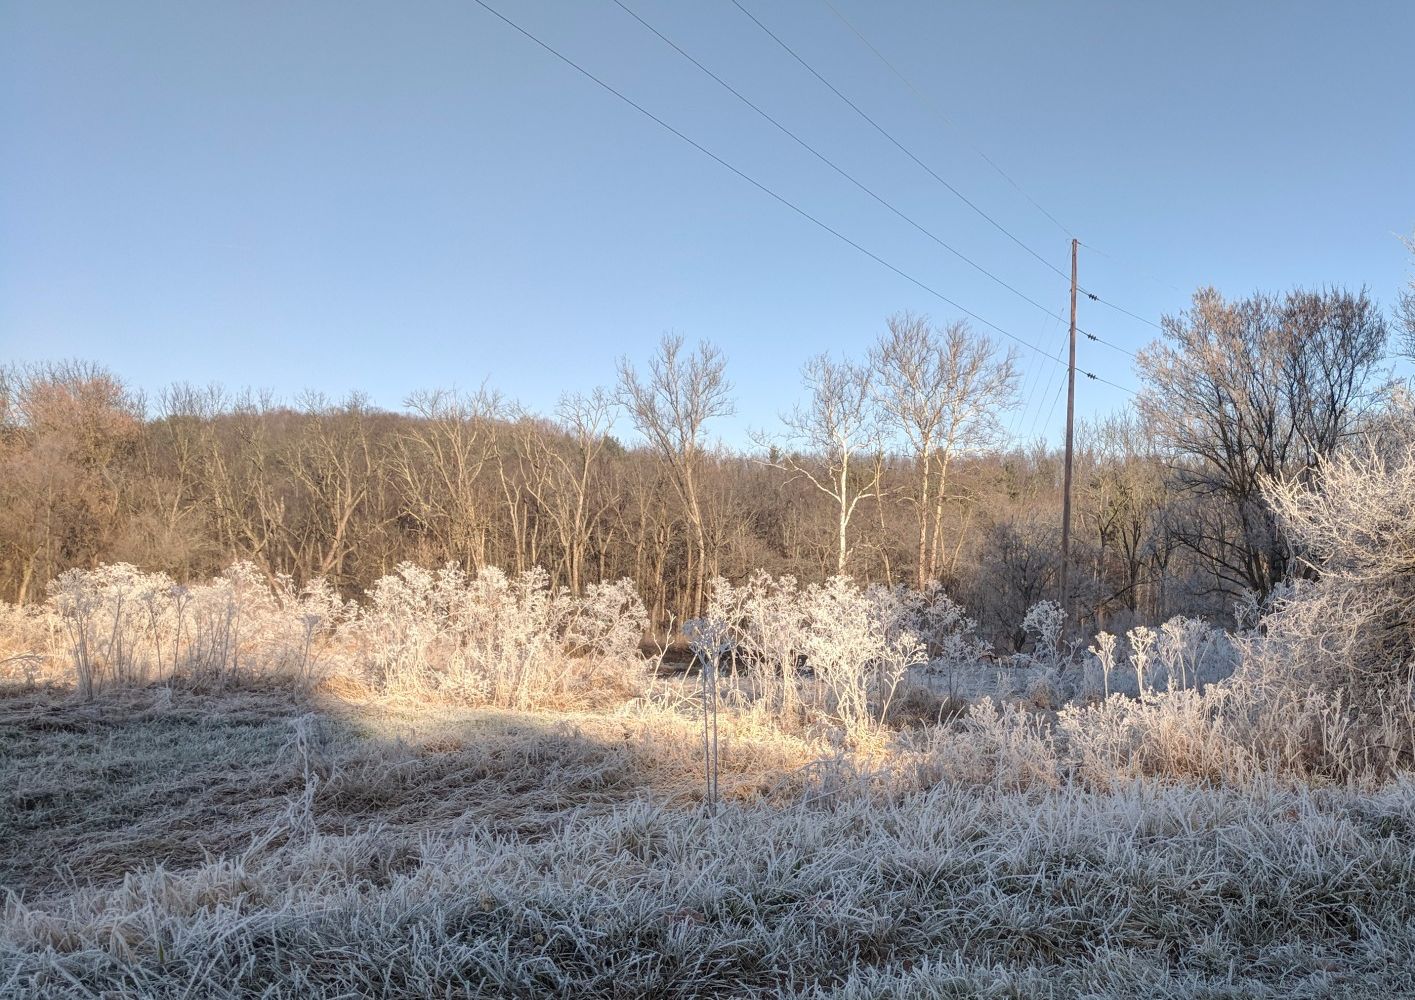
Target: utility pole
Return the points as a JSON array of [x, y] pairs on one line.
[[1070, 419]]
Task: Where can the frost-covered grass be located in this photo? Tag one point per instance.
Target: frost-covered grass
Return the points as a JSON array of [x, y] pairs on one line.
[[278, 842]]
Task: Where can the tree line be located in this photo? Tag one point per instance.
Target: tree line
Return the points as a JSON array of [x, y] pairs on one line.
[[896, 467]]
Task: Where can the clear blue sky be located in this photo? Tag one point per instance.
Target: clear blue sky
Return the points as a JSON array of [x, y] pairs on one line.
[[399, 196]]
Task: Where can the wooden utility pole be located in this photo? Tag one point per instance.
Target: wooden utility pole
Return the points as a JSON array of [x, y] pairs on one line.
[[1070, 421]]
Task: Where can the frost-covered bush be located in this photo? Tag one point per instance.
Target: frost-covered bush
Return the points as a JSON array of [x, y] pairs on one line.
[[948, 634], [1142, 643], [610, 620], [1001, 744], [857, 642], [715, 636], [490, 637], [1193, 653], [1044, 622], [406, 621], [1181, 653], [476, 638], [109, 616], [859, 649], [29, 636], [1104, 653], [1329, 667], [513, 631], [242, 622], [761, 626], [124, 626], [1352, 629], [1179, 733]]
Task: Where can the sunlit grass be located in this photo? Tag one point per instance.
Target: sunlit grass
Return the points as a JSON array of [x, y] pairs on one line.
[[265, 843]]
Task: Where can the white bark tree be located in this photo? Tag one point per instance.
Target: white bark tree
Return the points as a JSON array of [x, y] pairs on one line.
[[942, 390], [836, 424], [670, 404]]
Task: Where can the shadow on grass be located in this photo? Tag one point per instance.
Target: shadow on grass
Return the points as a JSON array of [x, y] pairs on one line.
[[172, 776]]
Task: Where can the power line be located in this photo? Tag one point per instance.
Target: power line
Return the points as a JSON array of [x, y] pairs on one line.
[[1055, 399], [899, 145], [758, 184], [1105, 381], [909, 153], [1036, 417], [1058, 373], [832, 164], [1120, 309], [1106, 343], [850, 177], [939, 114], [1033, 377], [860, 184], [1041, 406], [1132, 265]]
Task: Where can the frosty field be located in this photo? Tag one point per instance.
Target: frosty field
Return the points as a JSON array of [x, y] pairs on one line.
[[477, 785], [270, 843]]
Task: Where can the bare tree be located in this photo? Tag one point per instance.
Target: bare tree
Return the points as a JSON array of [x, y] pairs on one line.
[[942, 389], [350, 491], [438, 462], [565, 462], [1122, 494], [66, 430], [249, 490], [1407, 308], [669, 406], [836, 424], [1257, 389], [176, 531], [330, 460]]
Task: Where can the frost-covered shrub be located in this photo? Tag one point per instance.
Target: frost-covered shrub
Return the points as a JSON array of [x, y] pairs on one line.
[[1178, 733], [857, 642], [29, 636], [857, 648], [610, 620], [709, 639], [1352, 629], [1000, 744], [716, 635], [101, 611], [489, 637], [1193, 653], [1104, 653], [1181, 653], [514, 634], [1142, 643], [948, 634], [314, 615], [474, 638], [125, 626], [241, 622], [761, 625], [1044, 622], [406, 621], [1328, 662]]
